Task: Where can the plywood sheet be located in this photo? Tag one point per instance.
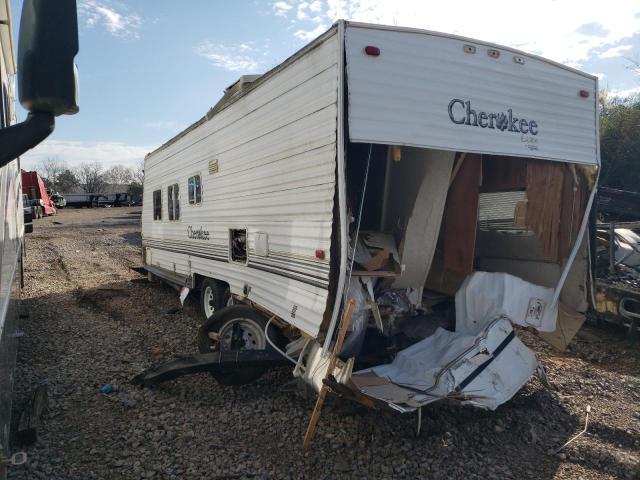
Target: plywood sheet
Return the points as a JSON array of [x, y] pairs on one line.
[[544, 196], [461, 216]]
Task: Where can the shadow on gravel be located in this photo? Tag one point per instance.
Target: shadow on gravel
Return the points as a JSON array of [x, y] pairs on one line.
[[133, 238], [80, 339]]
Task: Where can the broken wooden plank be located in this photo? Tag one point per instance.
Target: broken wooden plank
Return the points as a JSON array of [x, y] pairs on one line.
[[375, 273], [315, 415], [545, 181], [461, 217], [575, 195], [503, 174]]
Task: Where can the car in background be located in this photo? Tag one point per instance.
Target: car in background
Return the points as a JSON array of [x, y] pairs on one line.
[[58, 200]]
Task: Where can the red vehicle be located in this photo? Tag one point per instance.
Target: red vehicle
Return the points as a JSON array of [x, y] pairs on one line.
[[33, 187]]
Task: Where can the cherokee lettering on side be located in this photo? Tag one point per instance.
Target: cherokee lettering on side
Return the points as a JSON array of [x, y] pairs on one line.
[[461, 112], [197, 233]]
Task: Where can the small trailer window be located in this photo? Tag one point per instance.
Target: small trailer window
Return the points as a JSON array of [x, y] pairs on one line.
[[157, 205], [195, 190], [238, 245], [173, 201]]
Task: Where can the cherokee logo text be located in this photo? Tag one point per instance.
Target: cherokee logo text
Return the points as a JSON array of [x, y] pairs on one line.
[[197, 233], [461, 113]]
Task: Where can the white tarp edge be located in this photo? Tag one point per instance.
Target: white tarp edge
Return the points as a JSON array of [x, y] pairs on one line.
[[484, 296], [482, 363]]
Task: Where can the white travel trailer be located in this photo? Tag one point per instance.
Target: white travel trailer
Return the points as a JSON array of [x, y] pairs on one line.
[[406, 170]]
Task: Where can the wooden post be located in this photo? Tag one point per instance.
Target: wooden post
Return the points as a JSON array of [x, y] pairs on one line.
[[315, 416]]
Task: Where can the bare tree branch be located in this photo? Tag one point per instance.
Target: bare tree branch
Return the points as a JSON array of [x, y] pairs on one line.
[[91, 177], [119, 175], [50, 169]]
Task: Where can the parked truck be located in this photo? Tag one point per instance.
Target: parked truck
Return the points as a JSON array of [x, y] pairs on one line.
[[80, 200], [34, 188], [420, 191]]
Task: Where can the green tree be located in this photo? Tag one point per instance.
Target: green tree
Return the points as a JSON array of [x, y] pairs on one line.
[[620, 142], [67, 182]]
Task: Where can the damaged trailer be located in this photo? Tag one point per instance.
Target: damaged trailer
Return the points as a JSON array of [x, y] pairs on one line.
[[438, 185]]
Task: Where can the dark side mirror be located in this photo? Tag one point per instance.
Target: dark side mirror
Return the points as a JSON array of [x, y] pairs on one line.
[[47, 45], [47, 80]]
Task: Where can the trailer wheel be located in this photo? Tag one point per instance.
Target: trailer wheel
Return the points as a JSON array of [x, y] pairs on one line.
[[214, 295], [238, 327]]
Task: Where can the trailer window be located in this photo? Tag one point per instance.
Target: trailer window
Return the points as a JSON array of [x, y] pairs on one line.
[[195, 190], [173, 202], [238, 245], [157, 205]]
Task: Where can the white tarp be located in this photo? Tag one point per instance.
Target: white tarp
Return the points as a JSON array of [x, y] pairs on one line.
[[484, 296], [482, 363], [487, 369]]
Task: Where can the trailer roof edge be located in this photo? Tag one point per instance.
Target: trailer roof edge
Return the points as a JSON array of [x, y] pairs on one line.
[[250, 87]]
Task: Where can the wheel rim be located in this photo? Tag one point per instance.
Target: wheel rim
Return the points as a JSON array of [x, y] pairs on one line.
[[209, 302], [241, 334]]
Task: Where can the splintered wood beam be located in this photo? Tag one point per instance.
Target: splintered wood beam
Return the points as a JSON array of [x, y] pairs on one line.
[[315, 415]]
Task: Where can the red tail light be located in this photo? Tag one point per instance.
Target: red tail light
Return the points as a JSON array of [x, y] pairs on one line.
[[372, 51]]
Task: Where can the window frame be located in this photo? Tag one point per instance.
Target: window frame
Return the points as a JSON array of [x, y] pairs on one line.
[[153, 195], [195, 201], [173, 202], [246, 246]]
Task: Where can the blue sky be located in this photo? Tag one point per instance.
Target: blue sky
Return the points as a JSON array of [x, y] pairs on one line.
[[149, 68]]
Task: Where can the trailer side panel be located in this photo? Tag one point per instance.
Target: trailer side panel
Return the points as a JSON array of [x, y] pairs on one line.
[[267, 163]]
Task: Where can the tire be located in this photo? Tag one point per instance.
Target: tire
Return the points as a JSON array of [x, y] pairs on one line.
[[214, 295], [250, 324]]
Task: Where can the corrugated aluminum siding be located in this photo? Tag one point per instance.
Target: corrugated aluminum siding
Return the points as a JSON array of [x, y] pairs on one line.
[[276, 153], [402, 96]]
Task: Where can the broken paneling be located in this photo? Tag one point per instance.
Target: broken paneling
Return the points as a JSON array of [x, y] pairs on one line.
[[423, 226], [461, 216], [544, 194]]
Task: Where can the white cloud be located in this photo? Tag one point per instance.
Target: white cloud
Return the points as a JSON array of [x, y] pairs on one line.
[[315, 6], [77, 152], [627, 92], [568, 31], [115, 20], [595, 29], [308, 35], [599, 75], [281, 8], [235, 58], [614, 52]]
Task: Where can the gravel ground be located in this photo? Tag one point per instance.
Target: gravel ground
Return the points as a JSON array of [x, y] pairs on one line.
[[92, 320]]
